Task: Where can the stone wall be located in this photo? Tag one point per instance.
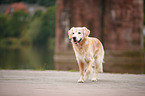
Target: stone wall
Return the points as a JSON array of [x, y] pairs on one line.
[[77, 13], [117, 23], [123, 23]]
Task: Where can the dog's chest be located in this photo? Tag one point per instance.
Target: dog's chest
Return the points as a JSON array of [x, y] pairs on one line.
[[84, 53], [85, 57]]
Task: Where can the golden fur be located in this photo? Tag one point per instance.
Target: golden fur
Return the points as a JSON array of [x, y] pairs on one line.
[[89, 52]]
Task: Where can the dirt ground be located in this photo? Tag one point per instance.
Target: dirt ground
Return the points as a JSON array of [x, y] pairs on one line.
[[64, 83]]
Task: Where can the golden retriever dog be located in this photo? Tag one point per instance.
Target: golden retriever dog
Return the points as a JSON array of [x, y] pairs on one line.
[[89, 52]]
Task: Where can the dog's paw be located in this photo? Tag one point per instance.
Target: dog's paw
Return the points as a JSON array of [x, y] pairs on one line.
[[80, 81], [94, 79]]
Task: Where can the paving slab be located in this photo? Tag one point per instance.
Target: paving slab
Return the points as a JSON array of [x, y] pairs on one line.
[[64, 83]]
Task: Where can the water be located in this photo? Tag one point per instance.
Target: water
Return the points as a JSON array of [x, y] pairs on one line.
[[26, 57], [42, 58]]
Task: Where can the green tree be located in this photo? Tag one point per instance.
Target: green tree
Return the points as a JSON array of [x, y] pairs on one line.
[[16, 24], [48, 22], [47, 27], [46, 3], [33, 31], [3, 25], [42, 27], [38, 13]]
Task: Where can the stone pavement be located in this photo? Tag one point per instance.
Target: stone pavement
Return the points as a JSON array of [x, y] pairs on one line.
[[64, 83]]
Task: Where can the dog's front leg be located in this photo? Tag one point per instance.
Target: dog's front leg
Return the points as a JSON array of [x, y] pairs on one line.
[[82, 70], [88, 71]]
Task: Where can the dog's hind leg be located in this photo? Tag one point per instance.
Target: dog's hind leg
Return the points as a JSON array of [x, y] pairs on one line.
[[97, 68]]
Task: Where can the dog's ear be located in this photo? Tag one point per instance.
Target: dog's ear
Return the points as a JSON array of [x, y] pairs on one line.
[[86, 32], [70, 33]]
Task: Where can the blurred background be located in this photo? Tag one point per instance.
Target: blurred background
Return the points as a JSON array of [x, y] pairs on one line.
[[33, 33]]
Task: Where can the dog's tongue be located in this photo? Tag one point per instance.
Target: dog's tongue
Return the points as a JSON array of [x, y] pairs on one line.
[[76, 42]]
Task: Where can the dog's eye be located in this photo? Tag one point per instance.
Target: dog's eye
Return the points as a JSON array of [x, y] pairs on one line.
[[73, 33], [79, 32]]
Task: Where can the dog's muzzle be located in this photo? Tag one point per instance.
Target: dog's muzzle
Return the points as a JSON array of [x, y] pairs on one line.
[[75, 40]]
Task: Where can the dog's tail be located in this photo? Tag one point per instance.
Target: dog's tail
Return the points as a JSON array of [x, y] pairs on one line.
[[101, 68], [101, 60]]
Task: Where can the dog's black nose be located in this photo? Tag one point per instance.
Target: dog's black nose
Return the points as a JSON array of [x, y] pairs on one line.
[[74, 38]]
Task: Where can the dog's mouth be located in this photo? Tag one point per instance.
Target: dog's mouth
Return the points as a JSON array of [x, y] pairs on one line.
[[76, 42]]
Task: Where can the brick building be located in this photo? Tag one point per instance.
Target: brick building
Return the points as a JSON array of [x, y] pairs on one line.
[[17, 6]]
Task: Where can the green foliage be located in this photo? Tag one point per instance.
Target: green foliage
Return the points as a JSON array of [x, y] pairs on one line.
[[41, 27], [37, 30], [16, 24], [48, 22], [46, 3], [12, 26], [38, 13], [3, 25], [20, 29], [32, 33]]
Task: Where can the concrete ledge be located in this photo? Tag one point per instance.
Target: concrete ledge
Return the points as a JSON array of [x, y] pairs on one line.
[[115, 61]]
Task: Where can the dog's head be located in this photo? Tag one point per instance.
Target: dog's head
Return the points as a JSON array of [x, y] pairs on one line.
[[77, 34]]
